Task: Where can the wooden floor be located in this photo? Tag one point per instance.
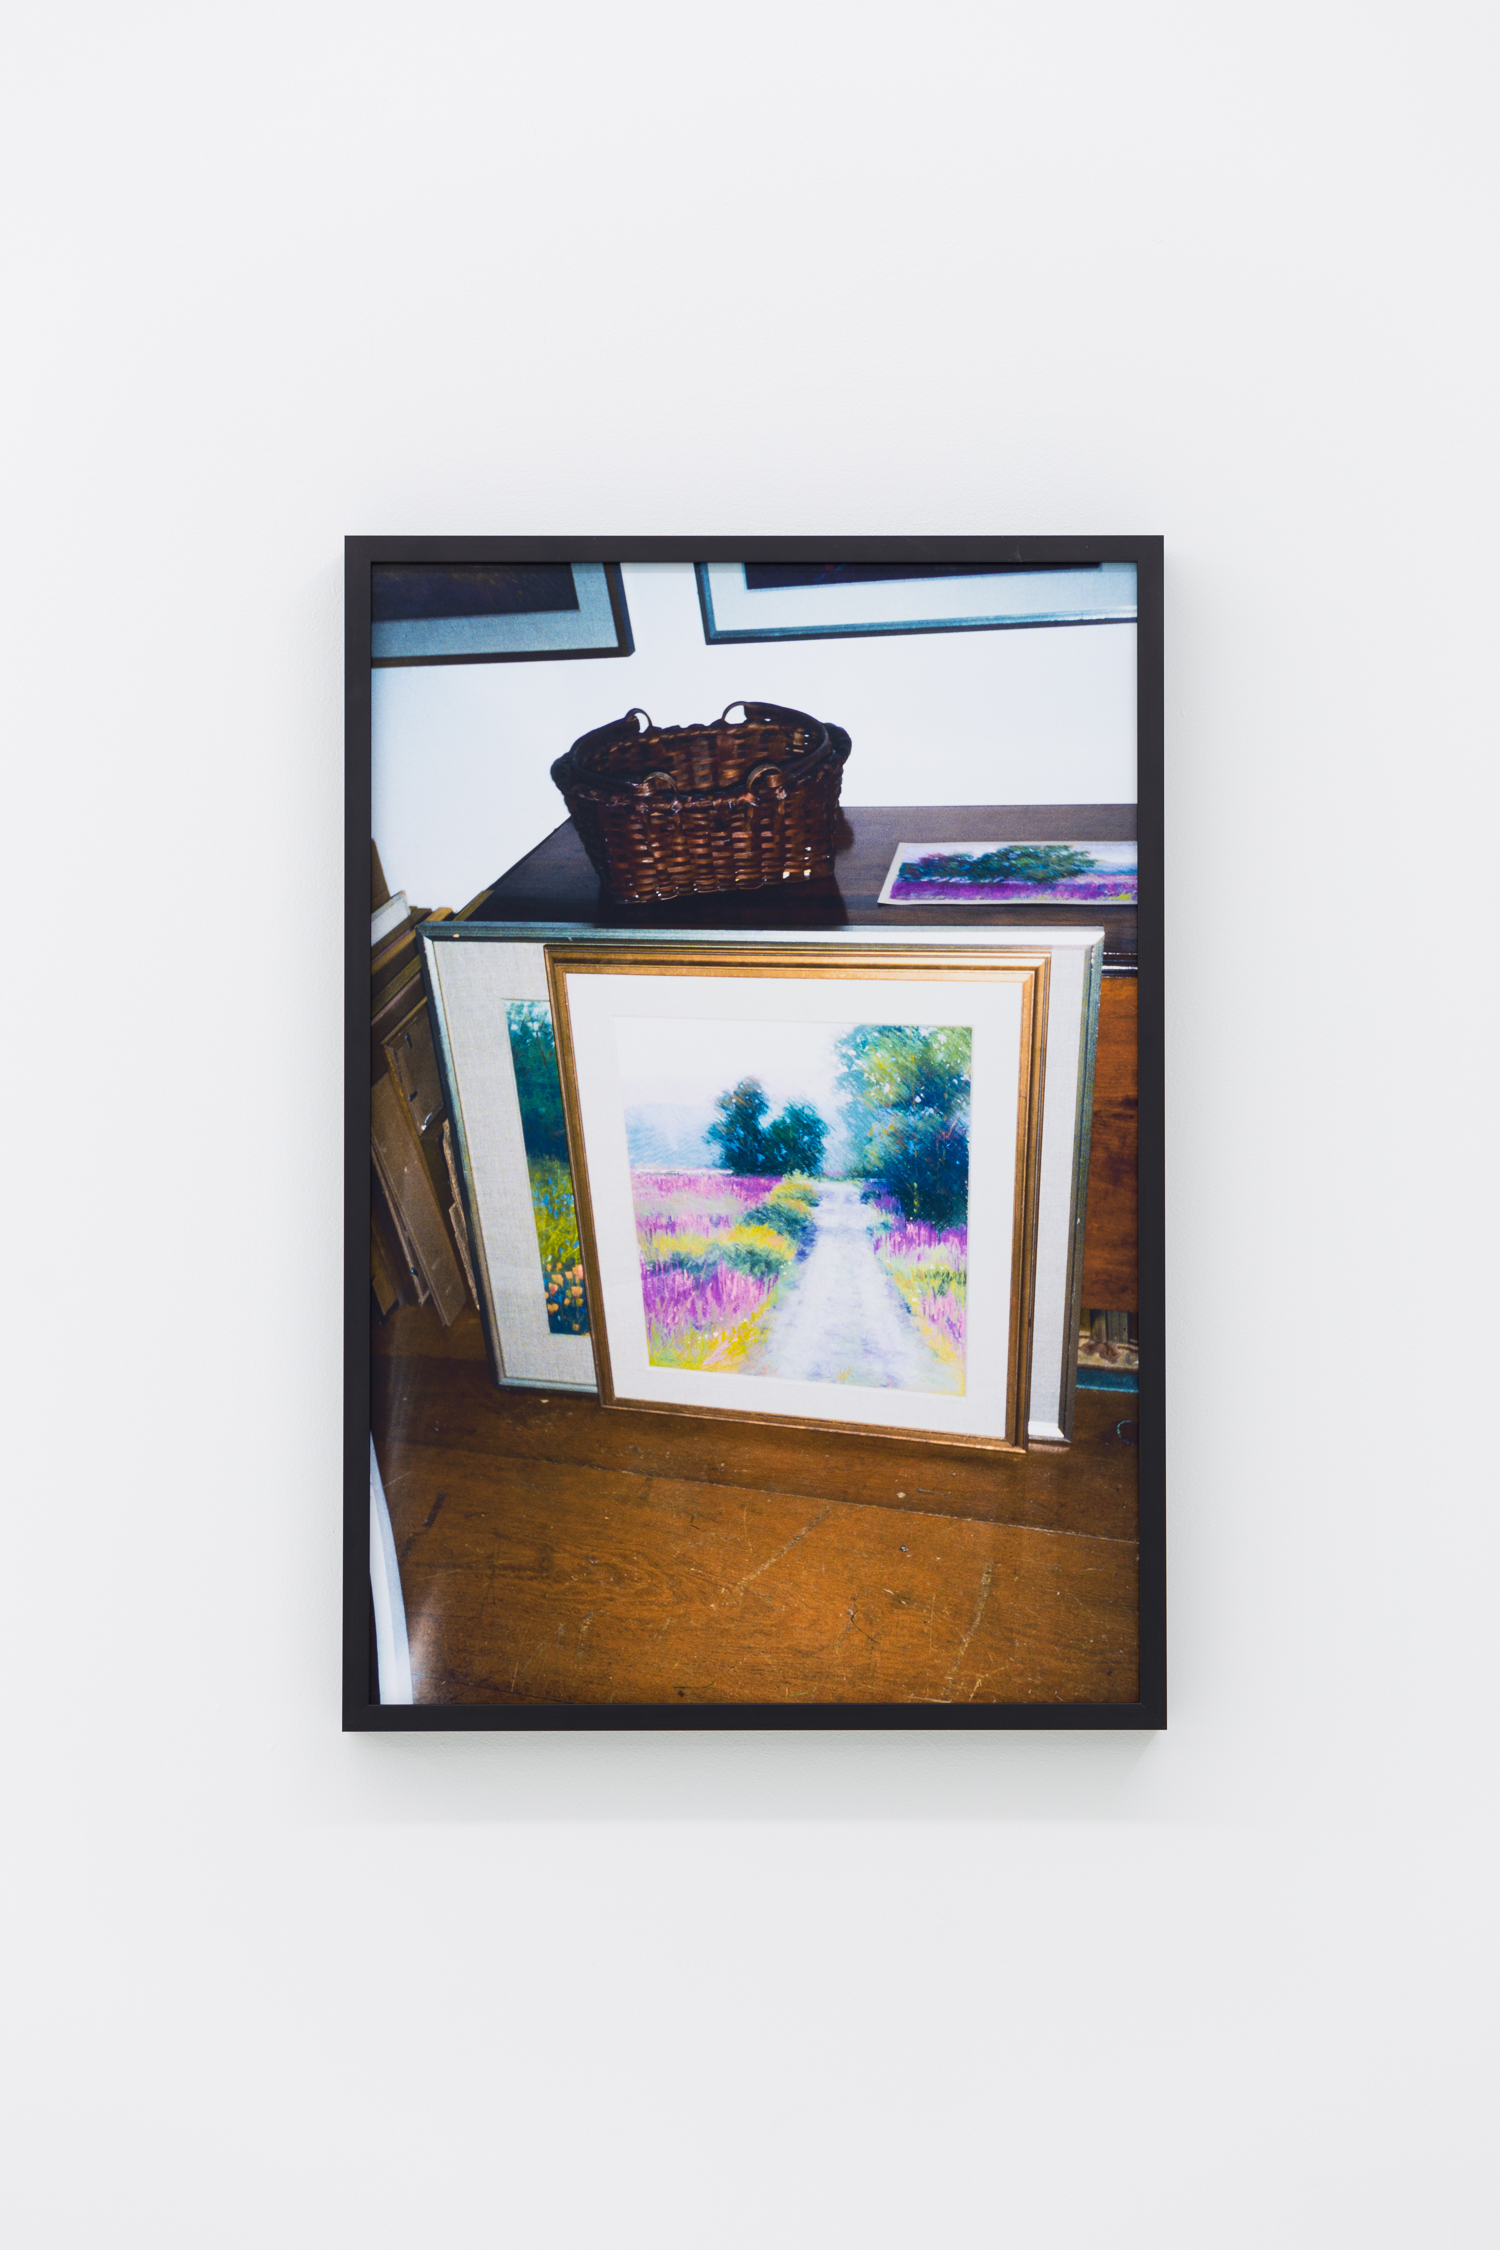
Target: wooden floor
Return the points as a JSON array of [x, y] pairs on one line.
[[554, 1551]]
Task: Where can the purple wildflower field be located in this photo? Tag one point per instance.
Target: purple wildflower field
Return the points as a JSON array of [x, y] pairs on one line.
[[1100, 890], [714, 1246], [703, 1308], [929, 1266]]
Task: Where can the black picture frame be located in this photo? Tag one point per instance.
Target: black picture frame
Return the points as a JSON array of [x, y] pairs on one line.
[[363, 1715]]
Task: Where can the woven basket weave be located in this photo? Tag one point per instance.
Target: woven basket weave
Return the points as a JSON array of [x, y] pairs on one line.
[[667, 810]]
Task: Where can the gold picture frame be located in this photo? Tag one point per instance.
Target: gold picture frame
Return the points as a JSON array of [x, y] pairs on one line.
[[990, 1415]]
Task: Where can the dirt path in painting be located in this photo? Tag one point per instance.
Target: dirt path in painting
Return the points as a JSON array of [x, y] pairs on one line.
[[839, 1318]]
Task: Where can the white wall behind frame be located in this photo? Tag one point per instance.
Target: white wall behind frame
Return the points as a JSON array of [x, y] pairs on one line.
[[286, 272], [463, 752]]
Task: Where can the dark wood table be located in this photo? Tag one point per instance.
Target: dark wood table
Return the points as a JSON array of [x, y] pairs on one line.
[[556, 883]]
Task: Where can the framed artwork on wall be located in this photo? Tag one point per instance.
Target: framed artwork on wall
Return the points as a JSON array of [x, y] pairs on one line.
[[747, 601], [754, 1283], [495, 613]]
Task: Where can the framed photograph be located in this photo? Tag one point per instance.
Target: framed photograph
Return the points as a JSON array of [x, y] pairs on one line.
[[754, 1200], [747, 601], [504, 1097], [807, 1179]]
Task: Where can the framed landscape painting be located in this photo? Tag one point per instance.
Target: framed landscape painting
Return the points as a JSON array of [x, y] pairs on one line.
[[806, 1181], [493, 1030]]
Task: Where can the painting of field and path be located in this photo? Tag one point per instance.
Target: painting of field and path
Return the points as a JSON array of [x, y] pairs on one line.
[[801, 1196], [1012, 875], [533, 1051]]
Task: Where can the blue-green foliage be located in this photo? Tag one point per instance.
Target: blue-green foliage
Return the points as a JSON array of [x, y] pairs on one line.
[[906, 1114], [791, 1219], [795, 1141], [1009, 863], [533, 1051], [792, 1142]]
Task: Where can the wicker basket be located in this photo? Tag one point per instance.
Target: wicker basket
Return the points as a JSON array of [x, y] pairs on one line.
[[668, 810]]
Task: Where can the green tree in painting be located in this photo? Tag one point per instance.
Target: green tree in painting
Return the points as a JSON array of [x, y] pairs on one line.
[[794, 1143], [738, 1133], [906, 1112], [534, 1054], [1008, 863]]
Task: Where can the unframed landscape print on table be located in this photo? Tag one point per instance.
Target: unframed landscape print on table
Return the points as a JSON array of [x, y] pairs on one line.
[[1039, 874]]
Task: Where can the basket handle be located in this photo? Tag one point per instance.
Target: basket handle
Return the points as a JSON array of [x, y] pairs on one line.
[[781, 712], [601, 740], [767, 772]]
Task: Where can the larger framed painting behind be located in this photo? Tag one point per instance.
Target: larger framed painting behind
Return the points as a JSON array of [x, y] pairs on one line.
[[505, 1100]]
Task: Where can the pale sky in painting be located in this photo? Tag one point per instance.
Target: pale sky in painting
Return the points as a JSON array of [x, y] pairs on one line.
[[691, 1063]]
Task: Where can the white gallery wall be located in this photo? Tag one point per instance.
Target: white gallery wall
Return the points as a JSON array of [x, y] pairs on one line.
[[278, 274]]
